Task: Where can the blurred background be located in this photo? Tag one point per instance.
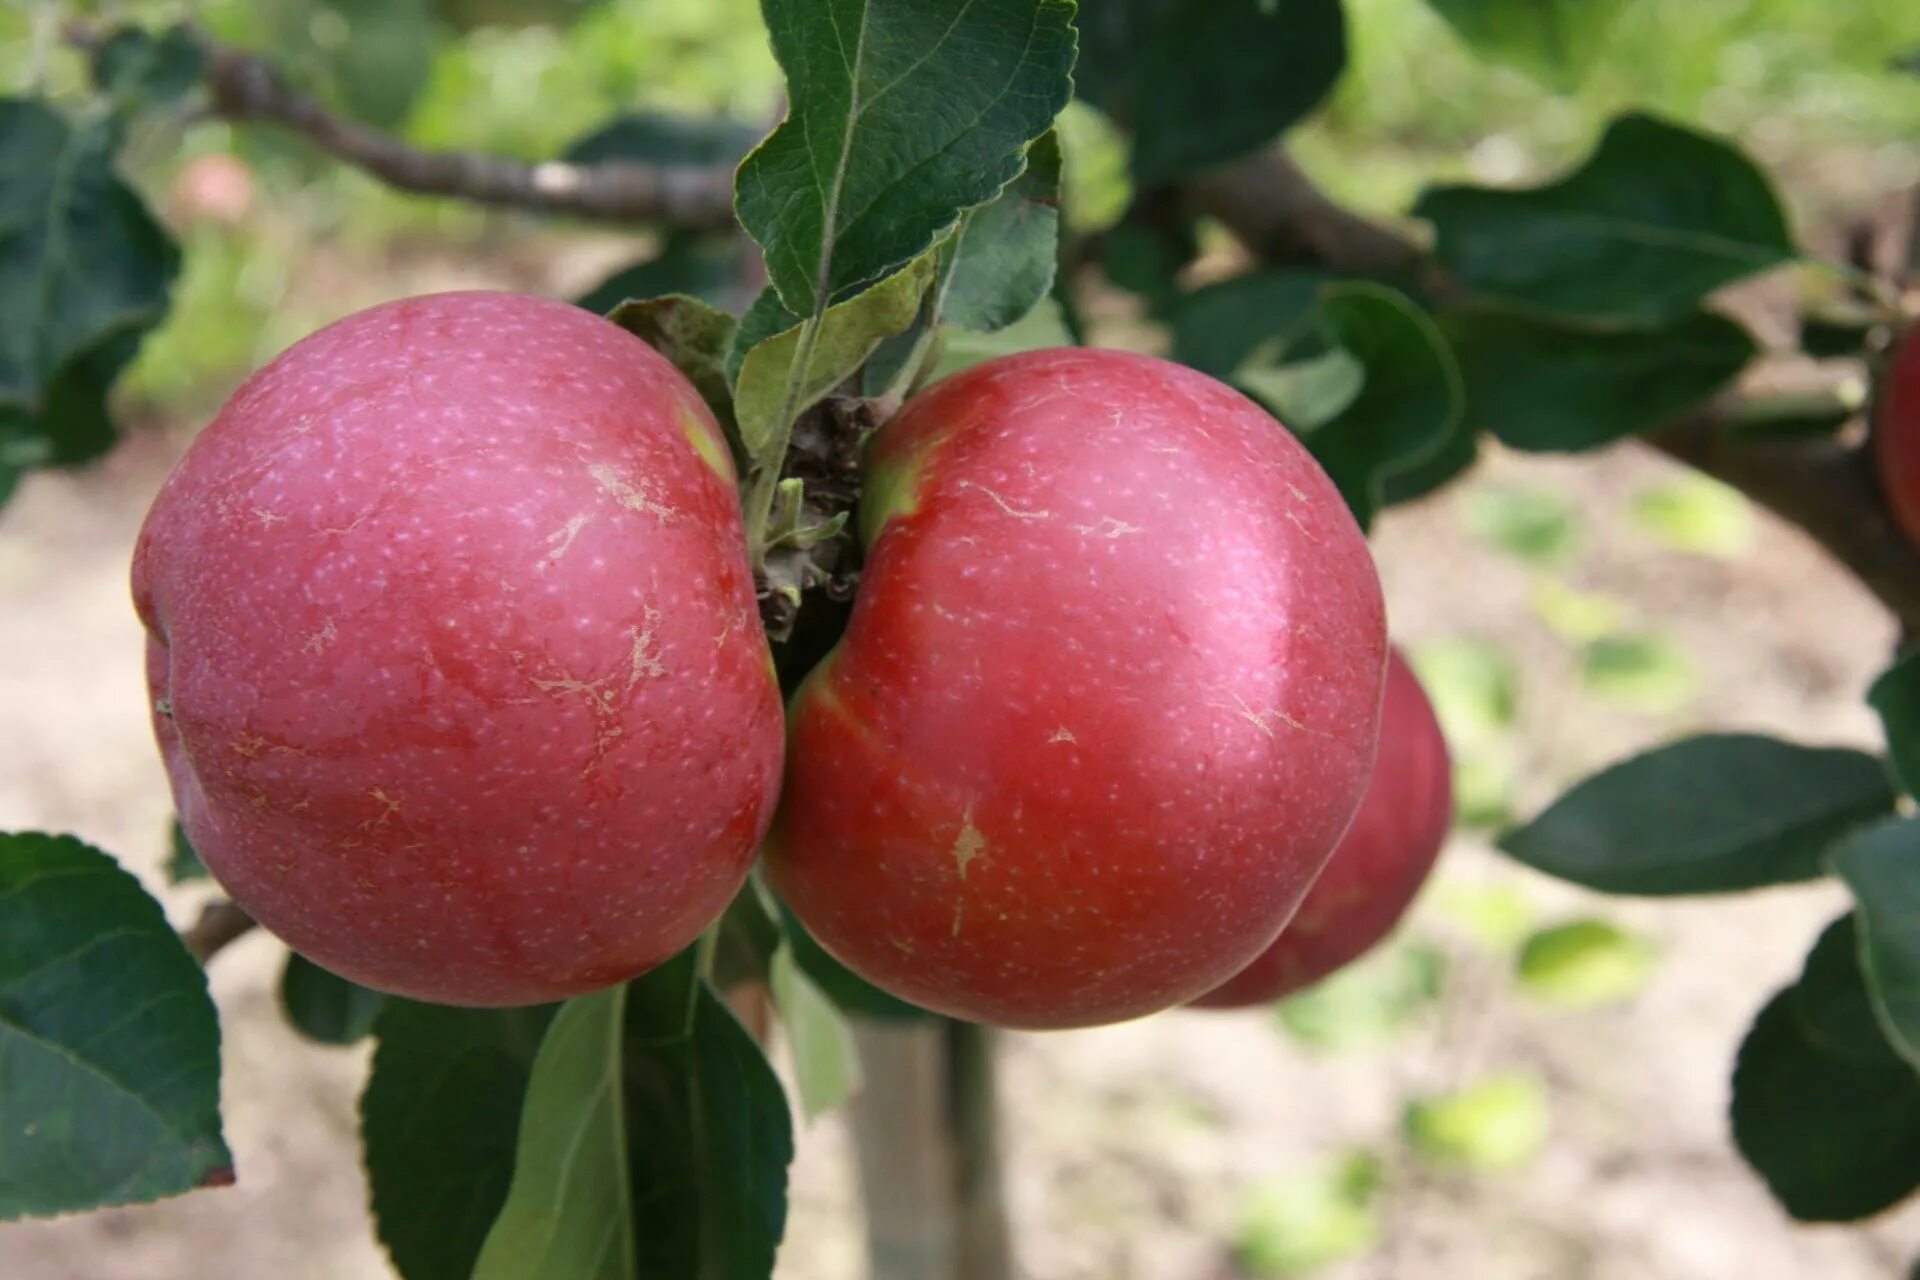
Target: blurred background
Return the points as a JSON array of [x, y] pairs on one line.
[[1527, 1082]]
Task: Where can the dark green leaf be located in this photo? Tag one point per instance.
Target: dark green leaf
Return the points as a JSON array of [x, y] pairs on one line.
[[1839, 336], [109, 1049], [1454, 457], [85, 272], [1822, 1107], [440, 1120], [652, 138], [709, 1134], [1657, 218], [700, 266], [369, 56], [902, 115], [1708, 814], [139, 69], [1882, 867], [695, 336], [183, 861], [1896, 696], [1202, 81], [568, 1210], [1543, 384], [749, 934], [1146, 256], [1000, 263], [1555, 41], [845, 987], [325, 1007], [1217, 329]]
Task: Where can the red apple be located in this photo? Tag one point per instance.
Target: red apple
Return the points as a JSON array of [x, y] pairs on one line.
[[1107, 700], [1380, 864], [454, 653], [1897, 435]]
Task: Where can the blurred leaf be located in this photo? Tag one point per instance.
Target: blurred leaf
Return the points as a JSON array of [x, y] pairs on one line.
[[109, 1049], [1454, 457], [567, 1208], [1298, 1223], [1643, 672], [1000, 263], [1219, 328], [1042, 327], [140, 70], [183, 863], [1366, 1003], [1473, 684], [1696, 514], [1579, 616], [1896, 696], [826, 1064], [692, 334], [1881, 865], [1482, 789], [1498, 1124], [325, 1007], [371, 56], [1496, 914], [86, 272], [773, 388], [1095, 187], [697, 266], [440, 1121], [1657, 218], [1530, 524], [847, 989], [902, 115], [654, 138], [1554, 41], [1202, 81], [1584, 964], [1542, 384], [1312, 392], [1833, 1125], [749, 933], [1839, 336], [1708, 814]]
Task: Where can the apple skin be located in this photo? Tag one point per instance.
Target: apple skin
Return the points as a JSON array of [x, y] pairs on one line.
[[457, 670], [1380, 863], [1106, 702], [1897, 435]]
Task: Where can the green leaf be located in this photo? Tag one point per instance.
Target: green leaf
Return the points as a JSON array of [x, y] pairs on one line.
[[691, 264], [1495, 915], [1657, 218], [1544, 385], [1533, 525], [659, 139], [1881, 865], [1709, 814], [826, 1065], [567, 1210], [1220, 328], [325, 1007], [1044, 326], [1202, 81], [1649, 673], [85, 271], [140, 70], [901, 116], [1695, 514], [846, 988], [183, 861], [109, 1049], [1474, 685], [709, 1134], [784, 375], [1554, 41], [440, 1120], [1579, 616], [1298, 1223], [1583, 964], [748, 934], [1454, 457], [1823, 1108], [692, 334], [1000, 263], [1367, 1003], [1896, 696], [1497, 1124]]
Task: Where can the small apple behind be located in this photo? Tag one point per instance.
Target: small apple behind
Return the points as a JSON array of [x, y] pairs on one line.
[[1381, 863], [1107, 700], [455, 661], [1897, 435]]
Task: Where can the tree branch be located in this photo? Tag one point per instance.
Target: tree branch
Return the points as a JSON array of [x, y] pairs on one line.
[[245, 87], [219, 923], [1823, 485]]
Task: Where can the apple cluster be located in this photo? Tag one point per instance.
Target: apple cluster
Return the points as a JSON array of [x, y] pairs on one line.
[[459, 680]]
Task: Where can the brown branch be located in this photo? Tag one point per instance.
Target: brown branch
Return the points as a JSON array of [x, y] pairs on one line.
[[219, 923], [1823, 485], [245, 87]]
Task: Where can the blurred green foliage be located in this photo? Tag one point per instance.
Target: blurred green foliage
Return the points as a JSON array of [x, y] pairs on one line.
[[1297, 1223], [1584, 963], [1368, 1002], [1640, 672], [1496, 1124], [1696, 514], [1531, 524]]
